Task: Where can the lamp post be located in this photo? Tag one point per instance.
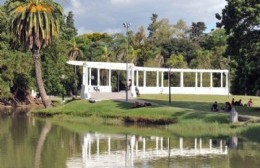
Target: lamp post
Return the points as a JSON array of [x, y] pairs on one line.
[[63, 77], [229, 74], [126, 25], [169, 81]]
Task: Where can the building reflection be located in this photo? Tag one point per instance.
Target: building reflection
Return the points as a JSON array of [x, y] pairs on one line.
[[100, 150]]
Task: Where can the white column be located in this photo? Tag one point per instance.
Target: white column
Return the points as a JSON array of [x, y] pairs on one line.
[[109, 144], [98, 77], [144, 146], [133, 83], [136, 148], [161, 143], [144, 78], [84, 148], [227, 83], [221, 79], [195, 144], [84, 88], [226, 151], [181, 145], [211, 80], [156, 144], [200, 145], [109, 77], [196, 79], [97, 145], [132, 142], [137, 78], [162, 78], [201, 79], [221, 150], [181, 81], [157, 78], [210, 144], [89, 148], [85, 75]]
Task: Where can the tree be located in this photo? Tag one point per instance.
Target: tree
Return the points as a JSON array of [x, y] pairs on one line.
[[152, 27], [241, 20], [74, 51], [140, 38], [216, 42], [16, 79], [202, 60], [35, 23], [196, 32], [164, 32], [70, 25], [176, 61], [70, 22], [185, 47], [180, 29]]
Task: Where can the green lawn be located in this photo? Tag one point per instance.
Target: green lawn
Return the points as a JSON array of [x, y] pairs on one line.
[[191, 112], [204, 102]]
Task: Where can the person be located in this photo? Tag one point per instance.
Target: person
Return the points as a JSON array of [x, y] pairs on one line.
[[228, 107], [139, 104], [129, 84], [137, 91], [233, 102], [214, 106], [239, 103], [250, 103]]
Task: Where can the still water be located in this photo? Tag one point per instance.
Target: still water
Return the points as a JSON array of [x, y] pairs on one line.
[[26, 142]]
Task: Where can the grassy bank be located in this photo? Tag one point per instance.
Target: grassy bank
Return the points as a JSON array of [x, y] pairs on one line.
[[191, 113]]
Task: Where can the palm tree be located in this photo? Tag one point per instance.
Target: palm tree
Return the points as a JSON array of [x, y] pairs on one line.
[[159, 59], [74, 51], [35, 23]]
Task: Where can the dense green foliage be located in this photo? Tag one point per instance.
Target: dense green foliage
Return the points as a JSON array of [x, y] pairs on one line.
[[163, 44], [241, 20]]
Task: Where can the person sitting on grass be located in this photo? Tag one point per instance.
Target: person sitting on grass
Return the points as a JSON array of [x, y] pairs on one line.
[[228, 107], [233, 101], [239, 103], [250, 103], [214, 106], [139, 104]]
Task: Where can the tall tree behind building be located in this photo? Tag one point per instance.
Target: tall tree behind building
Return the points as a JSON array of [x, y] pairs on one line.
[[70, 23], [241, 20]]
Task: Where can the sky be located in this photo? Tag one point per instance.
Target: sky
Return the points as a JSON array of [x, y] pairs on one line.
[[109, 15]]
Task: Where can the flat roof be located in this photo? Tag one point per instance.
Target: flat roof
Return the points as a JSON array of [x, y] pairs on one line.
[[122, 66]]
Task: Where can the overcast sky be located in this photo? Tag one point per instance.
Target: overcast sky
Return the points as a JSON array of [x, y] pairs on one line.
[[109, 15]]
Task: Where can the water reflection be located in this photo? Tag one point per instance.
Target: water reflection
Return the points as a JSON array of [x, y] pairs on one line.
[[127, 150], [28, 142], [14, 111], [233, 142], [45, 130]]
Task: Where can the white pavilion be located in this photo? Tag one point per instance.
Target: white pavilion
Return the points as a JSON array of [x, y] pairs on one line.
[[138, 76]]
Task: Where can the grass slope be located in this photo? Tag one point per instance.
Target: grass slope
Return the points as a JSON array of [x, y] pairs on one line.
[[192, 113]]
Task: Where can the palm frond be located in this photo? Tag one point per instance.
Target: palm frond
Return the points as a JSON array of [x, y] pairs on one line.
[[35, 22]]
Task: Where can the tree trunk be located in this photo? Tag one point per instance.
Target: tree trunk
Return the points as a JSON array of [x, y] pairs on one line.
[[45, 130], [38, 74]]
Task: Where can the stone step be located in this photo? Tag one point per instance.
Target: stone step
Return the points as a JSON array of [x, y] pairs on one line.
[[112, 95]]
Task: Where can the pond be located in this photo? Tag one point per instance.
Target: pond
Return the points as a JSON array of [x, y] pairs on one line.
[[26, 142]]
